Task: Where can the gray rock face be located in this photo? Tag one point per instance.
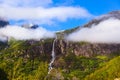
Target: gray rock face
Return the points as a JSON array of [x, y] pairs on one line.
[[63, 48], [85, 49]]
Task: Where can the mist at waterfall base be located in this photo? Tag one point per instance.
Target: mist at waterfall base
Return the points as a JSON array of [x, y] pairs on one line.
[[21, 33], [107, 31]]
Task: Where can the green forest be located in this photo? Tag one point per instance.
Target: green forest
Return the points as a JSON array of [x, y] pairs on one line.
[[18, 62]]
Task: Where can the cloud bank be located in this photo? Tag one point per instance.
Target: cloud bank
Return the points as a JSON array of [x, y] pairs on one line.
[[37, 12], [20, 33], [107, 31], [44, 14]]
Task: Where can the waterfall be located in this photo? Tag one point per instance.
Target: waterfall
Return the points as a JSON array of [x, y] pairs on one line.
[[53, 57]]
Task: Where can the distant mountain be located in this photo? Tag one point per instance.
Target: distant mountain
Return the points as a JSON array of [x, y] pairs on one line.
[[113, 14], [30, 26], [97, 20], [3, 22]]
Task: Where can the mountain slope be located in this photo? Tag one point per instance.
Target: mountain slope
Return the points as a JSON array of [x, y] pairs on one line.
[[29, 60], [97, 20], [22, 60], [110, 71]]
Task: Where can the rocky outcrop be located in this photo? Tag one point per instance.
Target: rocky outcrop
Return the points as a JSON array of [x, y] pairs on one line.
[[37, 49], [85, 49], [62, 48]]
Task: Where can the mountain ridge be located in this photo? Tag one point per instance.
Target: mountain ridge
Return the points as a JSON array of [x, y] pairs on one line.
[[29, 60]]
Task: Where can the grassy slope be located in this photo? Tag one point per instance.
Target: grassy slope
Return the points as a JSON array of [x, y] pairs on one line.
[[110, 71], [16, 67]]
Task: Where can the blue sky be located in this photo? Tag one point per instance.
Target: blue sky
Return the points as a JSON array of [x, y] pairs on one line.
[[95, 7], [56, 14]]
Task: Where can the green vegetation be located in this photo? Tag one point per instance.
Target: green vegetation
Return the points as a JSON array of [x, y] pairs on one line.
[[2, 45], [74, 67], [21, 60], [79, 67], [110, 71], [71, 30], [18, 64]]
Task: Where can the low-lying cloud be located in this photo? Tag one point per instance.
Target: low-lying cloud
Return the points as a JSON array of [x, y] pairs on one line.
[[20, 33], [107, 31]]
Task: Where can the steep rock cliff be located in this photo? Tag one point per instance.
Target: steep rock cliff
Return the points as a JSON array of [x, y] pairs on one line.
[[84, 48]]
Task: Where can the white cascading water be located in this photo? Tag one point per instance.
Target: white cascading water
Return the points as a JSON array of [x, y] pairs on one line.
[[53, 57]]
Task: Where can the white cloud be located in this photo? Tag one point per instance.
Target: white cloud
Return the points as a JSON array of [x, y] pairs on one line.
[[25, 3], [20, 33], [107, 31], [39, 11], [44, 14], [3, 38]]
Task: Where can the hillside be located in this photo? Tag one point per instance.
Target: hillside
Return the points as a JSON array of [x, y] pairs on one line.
[[91, 23], [29, 59], [111, 71]]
